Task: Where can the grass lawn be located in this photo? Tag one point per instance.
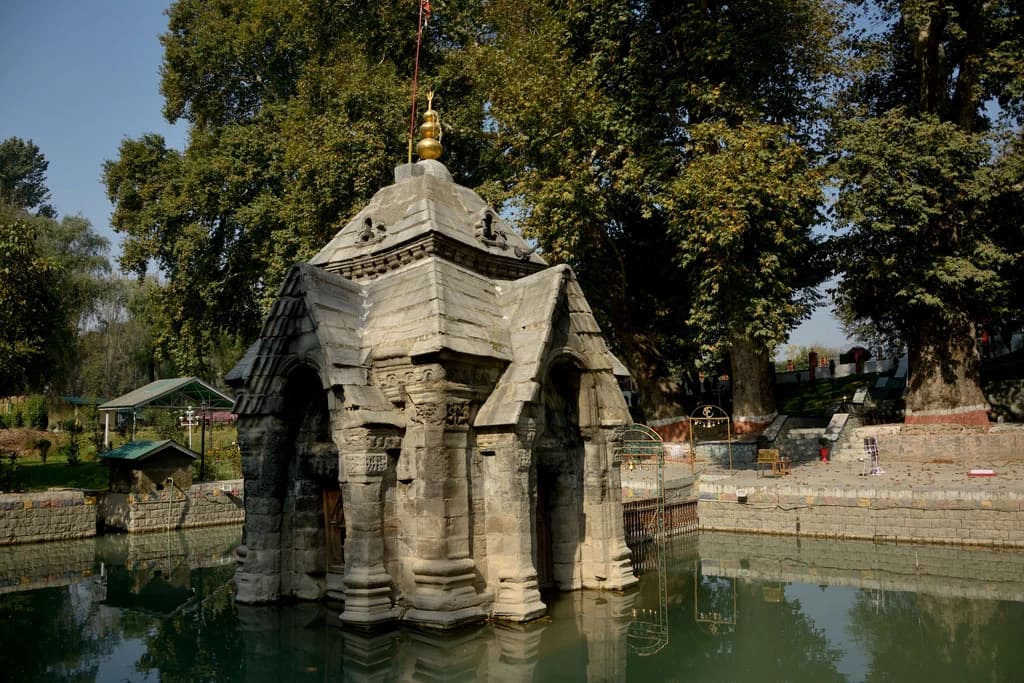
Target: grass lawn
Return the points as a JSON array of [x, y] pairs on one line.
[[822, 396], [32, 475]]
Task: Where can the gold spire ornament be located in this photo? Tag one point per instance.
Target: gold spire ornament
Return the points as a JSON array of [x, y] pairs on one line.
[[429, 146]]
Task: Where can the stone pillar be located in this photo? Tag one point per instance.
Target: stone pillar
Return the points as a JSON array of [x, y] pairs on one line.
[[444, 573], [368, 586], [258, 579], [512, 576], [605, 557]]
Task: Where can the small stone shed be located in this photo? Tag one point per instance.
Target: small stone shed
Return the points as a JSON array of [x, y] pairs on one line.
[[429, 422], [144, 467]]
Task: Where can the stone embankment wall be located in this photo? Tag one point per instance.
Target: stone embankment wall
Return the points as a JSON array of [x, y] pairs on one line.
[[976, 573], [62, 515], [954, 517], [48, 516], [206, 504]]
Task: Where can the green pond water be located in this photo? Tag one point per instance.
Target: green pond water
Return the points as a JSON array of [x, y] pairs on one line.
[[714, 607]]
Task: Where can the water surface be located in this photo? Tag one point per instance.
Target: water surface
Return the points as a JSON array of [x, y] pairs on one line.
[[721, 607]]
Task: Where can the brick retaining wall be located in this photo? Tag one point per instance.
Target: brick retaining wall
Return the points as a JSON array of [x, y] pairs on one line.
[[953, 517], [206, 504], [47, 516]]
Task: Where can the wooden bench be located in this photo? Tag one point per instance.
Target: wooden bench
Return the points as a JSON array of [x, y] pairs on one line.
[[770, 458]]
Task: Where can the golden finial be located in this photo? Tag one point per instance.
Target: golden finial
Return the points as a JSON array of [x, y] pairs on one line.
[[429, 146]]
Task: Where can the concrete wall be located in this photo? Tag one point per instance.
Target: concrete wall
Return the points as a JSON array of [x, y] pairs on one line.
[[206, 504], [48, 516], [953, 517]]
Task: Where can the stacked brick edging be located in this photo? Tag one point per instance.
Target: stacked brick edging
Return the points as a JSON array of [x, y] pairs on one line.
[[206, 504], [952, 517], [47, 516]]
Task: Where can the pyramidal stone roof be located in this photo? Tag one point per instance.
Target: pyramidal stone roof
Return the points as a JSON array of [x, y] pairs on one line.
[[426, 267], [426, 212]]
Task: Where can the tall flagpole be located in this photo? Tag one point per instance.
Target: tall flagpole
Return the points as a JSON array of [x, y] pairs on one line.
[[424, 4]]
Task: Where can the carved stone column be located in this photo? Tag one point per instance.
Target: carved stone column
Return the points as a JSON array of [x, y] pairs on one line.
[[508, 462], [368, 586], [606, 562], [444, 594]]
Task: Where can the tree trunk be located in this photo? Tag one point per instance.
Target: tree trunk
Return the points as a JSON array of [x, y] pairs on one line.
[[943, 385], [753, 393]]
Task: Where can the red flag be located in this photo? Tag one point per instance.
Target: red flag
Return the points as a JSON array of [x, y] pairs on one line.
[[425, 7]]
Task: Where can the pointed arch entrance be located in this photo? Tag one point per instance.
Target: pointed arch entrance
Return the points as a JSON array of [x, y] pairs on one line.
[[559, 456], [310, 485]]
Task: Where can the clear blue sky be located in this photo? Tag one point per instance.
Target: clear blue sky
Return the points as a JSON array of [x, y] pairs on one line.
[[78, 77]]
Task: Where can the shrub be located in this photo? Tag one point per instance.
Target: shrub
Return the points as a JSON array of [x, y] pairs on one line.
[[8, 466], [19, 419], [42, 446], [222, 463], [37, 413], [72, 449]]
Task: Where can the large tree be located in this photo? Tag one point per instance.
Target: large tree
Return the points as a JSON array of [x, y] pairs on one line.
[[31, 315], [298, 113], [927, 247], [575, 121], [618, 118], [23, 176]]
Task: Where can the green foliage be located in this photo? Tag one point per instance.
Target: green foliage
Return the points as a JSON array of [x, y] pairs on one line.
[[42, 447], [31, 318], [72, 450], [742, 211], [23, 176], [576, 122], [598, 108], [8, 470], [50, 278], [165, 423], [37, 412], [19, 419], [927, 244], [223, 463]]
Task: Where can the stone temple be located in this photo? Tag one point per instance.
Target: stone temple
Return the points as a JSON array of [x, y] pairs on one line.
[[428, 422]]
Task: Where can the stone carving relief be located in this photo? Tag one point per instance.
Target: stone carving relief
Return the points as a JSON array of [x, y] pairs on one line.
[[457, 414], [486, 232], [371, 233], [365, 441], [429, 413], [365, 463]]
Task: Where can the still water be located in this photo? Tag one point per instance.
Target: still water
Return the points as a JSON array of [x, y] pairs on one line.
[[718, 607]]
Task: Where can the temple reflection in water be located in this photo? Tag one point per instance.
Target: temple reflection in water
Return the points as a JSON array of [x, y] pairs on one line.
[[713, 607]]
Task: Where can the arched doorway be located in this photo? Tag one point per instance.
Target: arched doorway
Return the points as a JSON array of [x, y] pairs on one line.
[[558, 454], [311, 496]]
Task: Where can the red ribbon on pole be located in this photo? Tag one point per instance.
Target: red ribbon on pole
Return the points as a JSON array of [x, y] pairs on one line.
[[424, 18]]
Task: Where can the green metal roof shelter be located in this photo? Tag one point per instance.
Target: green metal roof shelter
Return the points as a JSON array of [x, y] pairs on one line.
[[177, 392], [170, 394]]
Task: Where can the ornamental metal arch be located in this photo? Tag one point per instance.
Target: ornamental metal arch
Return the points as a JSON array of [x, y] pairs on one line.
[[709, 417], [641, 448]]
